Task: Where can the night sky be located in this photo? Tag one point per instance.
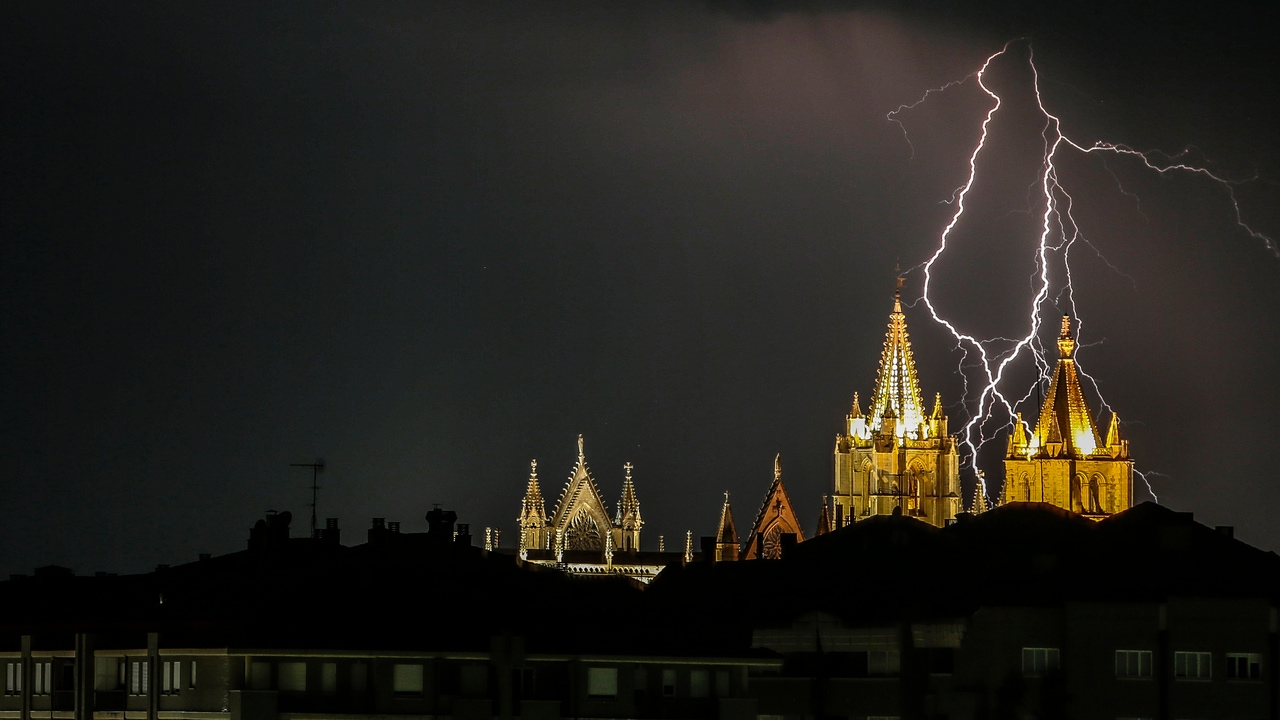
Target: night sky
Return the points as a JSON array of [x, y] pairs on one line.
[[431, 241]]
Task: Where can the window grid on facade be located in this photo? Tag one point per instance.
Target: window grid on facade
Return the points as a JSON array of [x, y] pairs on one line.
[[1038, 661], [1244, 666], [1193, 665], [1133, 663]]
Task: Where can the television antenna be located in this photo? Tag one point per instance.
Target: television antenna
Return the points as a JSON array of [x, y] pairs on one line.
[[317, 467]]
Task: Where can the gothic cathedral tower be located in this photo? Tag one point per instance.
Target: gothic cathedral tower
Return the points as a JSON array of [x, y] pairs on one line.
[[895, 458], [1064, 462]]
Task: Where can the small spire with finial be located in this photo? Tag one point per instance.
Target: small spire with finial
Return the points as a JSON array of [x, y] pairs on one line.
[[1066, 344], [897, 292], [777, 466], [581, 455]]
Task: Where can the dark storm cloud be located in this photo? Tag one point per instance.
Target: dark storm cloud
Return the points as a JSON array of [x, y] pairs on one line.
[[432, 242]]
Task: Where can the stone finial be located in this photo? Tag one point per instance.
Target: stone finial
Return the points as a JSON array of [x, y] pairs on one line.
[[1066, 344]]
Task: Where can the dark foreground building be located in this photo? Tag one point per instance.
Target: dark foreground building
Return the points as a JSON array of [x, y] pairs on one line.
[[1024, 611]]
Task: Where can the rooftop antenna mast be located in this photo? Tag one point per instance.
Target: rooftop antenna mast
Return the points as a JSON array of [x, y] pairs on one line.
[[317, 467]]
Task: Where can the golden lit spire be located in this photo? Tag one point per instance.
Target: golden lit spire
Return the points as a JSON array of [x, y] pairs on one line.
[[1065, 416], [897, 392], [533, 509]]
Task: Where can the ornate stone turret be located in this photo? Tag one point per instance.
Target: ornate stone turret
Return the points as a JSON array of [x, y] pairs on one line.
[[533, 516], [980, 502], [1063, 461], [628, 519], [726, 534], [896, 458]]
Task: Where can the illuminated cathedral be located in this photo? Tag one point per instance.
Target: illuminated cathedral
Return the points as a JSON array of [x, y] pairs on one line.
[[895, 458]]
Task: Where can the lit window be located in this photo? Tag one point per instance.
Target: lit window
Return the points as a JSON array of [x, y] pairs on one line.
[[171, 677], [1038, 661], [329, 678], [668, 683], [292, 677], [1244, 666], [191, 679], [1192, 665], [139, 677], [12, 678], [43, 672], [602, 683], [406, 679], [700, 683], [1133, 663]]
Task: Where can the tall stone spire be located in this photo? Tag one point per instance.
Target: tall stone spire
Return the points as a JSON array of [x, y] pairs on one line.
[[628, 516], [628, 520], [1065, 417], [533, 514], [897, 393]]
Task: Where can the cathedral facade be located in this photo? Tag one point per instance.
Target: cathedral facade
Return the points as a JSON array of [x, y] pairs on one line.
[[1063, 461], [896, 458]]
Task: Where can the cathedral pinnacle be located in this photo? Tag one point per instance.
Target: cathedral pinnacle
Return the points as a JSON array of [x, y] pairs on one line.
[[777, 466], [1065, 417], [897, 393], [1066, 344]]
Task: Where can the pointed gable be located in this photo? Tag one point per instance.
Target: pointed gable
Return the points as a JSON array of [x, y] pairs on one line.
[[824, 519], [776, 517], [581, 520], [726, 531], [1065, 417]]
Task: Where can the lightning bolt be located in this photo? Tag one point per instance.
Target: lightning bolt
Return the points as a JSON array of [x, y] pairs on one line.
[[1059, 232]]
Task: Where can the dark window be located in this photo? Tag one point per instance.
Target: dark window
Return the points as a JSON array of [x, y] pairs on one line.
[[1244, 666]]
